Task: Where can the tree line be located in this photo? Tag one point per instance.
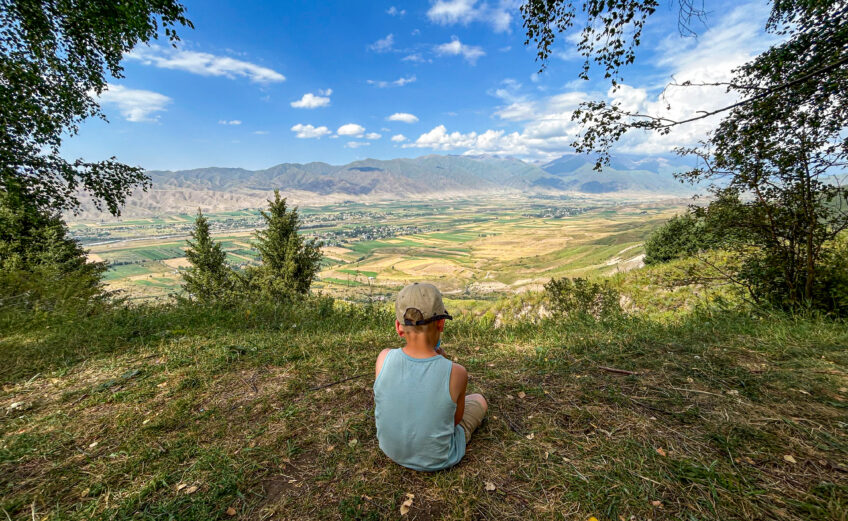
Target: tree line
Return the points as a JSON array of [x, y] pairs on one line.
[[773, 164]]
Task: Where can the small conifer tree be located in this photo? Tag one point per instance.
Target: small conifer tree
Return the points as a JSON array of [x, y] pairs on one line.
[[289, 263], [209, 278], [40, 264]]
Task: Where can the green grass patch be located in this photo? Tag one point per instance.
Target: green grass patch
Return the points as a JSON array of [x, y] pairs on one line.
[[183, 412], [359, 273], [126, 270]]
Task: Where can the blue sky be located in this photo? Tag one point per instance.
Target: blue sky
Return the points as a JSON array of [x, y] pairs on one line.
[[261, 83]]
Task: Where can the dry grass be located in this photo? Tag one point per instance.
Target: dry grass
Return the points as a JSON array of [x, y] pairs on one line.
[[122, 424]]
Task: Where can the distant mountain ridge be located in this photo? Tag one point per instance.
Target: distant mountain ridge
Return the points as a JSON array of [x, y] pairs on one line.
[[442, 176]]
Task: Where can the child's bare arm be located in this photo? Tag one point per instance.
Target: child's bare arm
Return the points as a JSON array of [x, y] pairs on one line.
[[458, 384]]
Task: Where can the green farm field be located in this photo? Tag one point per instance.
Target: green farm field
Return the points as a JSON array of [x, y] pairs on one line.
[[472, 249]]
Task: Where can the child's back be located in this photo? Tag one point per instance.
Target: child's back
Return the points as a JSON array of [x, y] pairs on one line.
[[424, 419], [414, 412]]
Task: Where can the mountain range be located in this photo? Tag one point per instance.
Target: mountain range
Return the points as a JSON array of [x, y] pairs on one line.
[[426, 177]]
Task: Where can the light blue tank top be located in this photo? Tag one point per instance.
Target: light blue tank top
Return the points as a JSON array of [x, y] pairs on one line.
[[414, 412]]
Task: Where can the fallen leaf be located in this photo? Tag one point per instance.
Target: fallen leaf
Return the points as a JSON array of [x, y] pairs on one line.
[[490, 486], [546, 455], [330, 448], [231, 511], [748, 460], [181, 486], [593, 518], [404, 507], [522, 394], [656, 503], [352, 443], [530, 436], [843, 389], [509, 396], [163, 384], [789, 459], [191, 490], [92, 445], [661, 452], [85, 493]]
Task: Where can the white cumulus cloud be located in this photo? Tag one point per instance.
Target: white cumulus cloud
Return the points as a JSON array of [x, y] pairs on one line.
[[351, 129], [134, 105], [373, 135], [308, 131], [313, 101], [454, 48], [204, 64], [544, 128], [405, 117], [450, 12], [398, 138]]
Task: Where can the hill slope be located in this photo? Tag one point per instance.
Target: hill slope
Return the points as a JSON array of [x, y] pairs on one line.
[[267, 413]]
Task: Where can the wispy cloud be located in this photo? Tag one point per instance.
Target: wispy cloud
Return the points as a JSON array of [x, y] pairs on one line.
[[383, 44], [394, 11], [204, 64], [405, 117], [546, 126], [313, 101], [400, 82], [455, 48], [308, 131], [134, 104], [450, 12], [357, 144], [416, 57], [230, 122], [261, 132]]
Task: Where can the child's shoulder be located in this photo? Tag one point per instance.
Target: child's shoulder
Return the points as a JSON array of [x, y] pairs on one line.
[[380, 359]]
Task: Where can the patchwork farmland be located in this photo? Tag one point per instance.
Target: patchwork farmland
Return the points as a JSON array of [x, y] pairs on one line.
[[475, 248]]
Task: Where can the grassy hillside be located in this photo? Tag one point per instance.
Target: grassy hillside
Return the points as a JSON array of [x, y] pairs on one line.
[[267, 413]]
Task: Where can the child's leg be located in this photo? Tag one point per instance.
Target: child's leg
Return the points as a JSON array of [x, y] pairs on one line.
[[475, 410]]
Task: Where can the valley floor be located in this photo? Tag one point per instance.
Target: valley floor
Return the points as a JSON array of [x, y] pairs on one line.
[[470, 248], [162, 412]]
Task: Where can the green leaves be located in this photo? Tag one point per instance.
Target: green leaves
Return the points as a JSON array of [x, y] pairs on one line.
[[54, 61]]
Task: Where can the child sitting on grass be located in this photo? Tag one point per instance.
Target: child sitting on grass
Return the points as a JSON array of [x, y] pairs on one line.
[[424, 420]]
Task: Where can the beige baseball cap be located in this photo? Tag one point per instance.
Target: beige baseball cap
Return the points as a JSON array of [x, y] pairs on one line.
[[426, 298]]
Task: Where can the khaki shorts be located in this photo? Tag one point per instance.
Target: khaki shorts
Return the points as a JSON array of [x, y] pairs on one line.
[[472, 417]]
